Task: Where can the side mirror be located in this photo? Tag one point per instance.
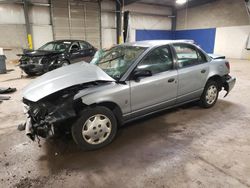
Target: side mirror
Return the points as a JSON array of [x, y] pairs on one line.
[[141, 73]]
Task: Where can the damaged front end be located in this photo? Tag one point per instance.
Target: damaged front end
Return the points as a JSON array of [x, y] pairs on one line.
[[46, 116], [51, 99], [43, 116]]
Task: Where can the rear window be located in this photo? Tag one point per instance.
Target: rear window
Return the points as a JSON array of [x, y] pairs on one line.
[[188, 55]]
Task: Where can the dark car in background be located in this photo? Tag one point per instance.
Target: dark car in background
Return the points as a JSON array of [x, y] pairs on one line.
[[55, 54]]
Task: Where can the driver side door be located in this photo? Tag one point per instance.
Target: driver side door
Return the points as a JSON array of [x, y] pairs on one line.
[[159, 90]]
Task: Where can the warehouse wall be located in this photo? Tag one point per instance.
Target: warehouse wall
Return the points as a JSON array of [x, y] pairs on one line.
[[147, 17], [231, 41], [221, 13], [108, 23], [154, 34], [230, 19], [144, 18], [41, 28], [79, 20], [205, 38], [13, 31]]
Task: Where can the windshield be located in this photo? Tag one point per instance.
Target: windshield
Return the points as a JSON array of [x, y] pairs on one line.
[[116, 61], [55, 46]]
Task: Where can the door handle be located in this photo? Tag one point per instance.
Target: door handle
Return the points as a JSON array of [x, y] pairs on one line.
[[171, 80], [203, 70]]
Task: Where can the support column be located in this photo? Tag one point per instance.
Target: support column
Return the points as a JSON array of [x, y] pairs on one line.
[[174, 19], [27, 23], [119, 21]]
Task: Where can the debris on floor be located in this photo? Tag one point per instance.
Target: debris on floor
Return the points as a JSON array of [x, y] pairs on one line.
[[5, 90], [4, 98], [21, 127]]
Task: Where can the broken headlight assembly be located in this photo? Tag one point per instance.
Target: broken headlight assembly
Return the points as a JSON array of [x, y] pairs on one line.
[[47, 113], [46, 116]]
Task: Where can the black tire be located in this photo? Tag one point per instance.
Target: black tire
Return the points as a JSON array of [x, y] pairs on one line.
[[79, 126], [64, 63], [204, 102], [30, 74]]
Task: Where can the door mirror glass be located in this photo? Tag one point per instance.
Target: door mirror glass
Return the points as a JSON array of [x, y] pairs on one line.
[[142, 73]]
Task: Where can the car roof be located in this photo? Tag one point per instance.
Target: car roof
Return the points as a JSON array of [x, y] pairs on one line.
[[152, 43], [70, 40]]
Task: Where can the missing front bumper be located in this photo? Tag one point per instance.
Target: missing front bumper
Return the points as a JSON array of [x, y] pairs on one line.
[[33, 131]]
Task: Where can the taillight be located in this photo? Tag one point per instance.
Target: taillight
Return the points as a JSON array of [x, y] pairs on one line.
[[228, 66]]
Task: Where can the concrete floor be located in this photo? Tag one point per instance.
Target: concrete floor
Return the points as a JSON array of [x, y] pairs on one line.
[[183, 147]]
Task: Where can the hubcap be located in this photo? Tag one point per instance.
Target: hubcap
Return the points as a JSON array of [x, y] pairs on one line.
[[96, 129], [211, 94]]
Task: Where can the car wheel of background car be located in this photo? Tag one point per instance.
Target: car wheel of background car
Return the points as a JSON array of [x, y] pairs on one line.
[[210, 94], [64, 63], [30, 73], [95, 128]]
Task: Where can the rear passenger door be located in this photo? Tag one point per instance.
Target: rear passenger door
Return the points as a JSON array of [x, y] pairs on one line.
[[193, 68]]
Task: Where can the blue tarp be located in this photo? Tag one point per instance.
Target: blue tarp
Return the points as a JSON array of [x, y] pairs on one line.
[[205, 38]]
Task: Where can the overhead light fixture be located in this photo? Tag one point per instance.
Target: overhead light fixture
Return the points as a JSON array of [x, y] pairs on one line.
[[181, 2]]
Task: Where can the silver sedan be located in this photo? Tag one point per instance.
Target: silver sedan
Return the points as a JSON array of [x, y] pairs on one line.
[[121, 84]]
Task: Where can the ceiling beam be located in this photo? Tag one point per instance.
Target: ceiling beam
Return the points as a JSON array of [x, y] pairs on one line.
[[194, 3], [127, 2], [156, 4]]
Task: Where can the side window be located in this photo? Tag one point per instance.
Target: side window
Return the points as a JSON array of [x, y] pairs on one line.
[[188, 55], [84, 45], [158, 60], [60, 47], [75, 46], [49, 47]]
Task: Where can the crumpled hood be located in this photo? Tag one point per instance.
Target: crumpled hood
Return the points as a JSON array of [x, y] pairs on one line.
[[62, 78]]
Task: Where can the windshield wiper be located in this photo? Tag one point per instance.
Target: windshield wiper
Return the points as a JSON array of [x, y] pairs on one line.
[[112, 59]]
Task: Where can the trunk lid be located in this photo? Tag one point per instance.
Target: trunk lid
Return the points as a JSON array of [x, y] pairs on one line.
[[215, 56]]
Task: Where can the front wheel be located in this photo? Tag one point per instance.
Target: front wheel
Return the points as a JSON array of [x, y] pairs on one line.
[[30, 74], [64, 63], [95, 128], [210, 94]]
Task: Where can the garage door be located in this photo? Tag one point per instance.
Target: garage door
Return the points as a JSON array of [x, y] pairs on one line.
[[75, 19]]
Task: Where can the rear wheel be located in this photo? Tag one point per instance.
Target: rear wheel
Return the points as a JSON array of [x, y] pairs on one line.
[[210, 94], [95, 128]]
